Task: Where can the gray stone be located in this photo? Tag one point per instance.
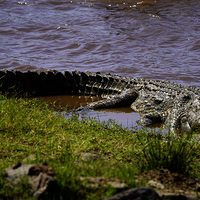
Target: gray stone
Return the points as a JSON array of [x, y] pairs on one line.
[[40, 184], [95, 182], [143, 193], [89, 156], [155, 184], [39, 176]]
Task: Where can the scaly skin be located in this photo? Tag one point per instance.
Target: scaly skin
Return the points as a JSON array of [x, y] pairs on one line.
[[175, 105]]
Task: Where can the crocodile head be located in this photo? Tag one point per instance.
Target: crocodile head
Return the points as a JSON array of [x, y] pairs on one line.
[[188, 116], [194, 114]]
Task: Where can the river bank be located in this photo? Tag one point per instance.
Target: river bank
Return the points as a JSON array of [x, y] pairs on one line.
[[85, 148]]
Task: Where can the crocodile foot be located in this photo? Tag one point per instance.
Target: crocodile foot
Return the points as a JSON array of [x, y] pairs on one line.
[[124, 99]]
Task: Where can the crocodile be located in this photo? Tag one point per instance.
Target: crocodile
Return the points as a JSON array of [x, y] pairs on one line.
[[175, 105]]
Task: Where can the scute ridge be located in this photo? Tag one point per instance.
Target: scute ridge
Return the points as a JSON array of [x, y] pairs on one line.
[[176, 105]]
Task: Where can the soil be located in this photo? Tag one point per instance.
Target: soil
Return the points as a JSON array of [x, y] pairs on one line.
[[173, 183]]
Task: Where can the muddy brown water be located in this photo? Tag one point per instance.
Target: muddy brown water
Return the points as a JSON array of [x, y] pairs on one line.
[[149, 39], [122, 116]]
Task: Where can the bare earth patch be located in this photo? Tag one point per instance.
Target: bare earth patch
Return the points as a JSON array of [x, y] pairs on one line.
[[168, 184]]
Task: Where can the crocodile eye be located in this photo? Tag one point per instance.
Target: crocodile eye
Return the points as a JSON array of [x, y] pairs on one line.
[[158, 101]]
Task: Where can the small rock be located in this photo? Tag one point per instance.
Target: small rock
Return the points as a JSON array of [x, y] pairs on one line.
[[174, 197], [155, 184], [89, 156], [94, 182], [40, 177], [143, 193], [41, 184], [86, 157]]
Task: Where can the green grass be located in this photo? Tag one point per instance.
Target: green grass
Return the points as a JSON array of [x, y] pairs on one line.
[[167, 151], [31, 127]]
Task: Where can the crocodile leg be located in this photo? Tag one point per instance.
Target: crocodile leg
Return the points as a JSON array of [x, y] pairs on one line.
[[173, 119], [185, 113], [124, 99]]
